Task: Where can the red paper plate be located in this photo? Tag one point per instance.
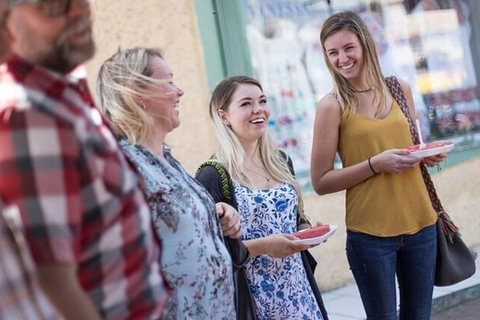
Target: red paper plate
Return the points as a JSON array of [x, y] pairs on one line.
[[431, 149]]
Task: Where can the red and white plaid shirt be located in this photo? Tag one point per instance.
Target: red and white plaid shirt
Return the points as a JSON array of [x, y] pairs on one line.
[[78, 196], [21, 296]]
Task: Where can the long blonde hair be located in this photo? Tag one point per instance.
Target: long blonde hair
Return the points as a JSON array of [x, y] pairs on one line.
[[351, 21], [230, 152], [122, 83]]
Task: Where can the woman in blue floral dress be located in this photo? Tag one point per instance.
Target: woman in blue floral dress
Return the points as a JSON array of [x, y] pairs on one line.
[[139, 98], [268, 199]]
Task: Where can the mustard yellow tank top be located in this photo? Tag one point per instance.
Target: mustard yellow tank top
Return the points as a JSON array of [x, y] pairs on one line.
[[386, 204]]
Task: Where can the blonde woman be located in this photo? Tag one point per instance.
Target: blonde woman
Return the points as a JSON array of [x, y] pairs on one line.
[[390, 220], [267, 197], [140, 99]]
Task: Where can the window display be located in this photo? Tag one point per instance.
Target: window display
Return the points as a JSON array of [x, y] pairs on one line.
[[435, 58]]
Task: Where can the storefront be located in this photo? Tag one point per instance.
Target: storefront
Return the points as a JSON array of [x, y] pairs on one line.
[[201, 54], [433, 44]]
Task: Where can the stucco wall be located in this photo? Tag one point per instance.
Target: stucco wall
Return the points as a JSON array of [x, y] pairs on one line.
[[172, 26]]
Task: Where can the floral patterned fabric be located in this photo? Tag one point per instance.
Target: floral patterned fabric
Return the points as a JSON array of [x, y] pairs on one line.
[[279, 285], [195, 261]]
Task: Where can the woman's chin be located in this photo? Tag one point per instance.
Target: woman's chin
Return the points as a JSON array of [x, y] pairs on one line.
[[175, 125]]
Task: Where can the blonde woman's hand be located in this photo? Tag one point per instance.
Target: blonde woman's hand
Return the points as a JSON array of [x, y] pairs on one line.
[[318, 224], [283, 245], [434, 160], [304, 226], [229, 220], [394, 161]]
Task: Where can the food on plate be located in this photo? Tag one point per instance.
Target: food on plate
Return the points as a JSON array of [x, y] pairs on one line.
[[427, 146], [313, 232]]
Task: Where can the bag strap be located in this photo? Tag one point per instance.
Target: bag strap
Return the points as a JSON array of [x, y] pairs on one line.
[[397, 92], [224, 177]]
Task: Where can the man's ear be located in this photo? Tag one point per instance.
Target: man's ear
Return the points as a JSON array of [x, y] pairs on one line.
[[8, 26]]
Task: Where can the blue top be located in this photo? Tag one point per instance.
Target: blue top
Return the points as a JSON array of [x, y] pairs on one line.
[[195, 261], [279, 286]]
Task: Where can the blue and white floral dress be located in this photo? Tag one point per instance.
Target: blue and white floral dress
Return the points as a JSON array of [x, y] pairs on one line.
[[195, 261], [280, 286]]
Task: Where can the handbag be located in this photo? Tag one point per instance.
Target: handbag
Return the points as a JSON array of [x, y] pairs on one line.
[[455, 262]]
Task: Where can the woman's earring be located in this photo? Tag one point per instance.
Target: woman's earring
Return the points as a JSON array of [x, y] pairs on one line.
[[223, 119]]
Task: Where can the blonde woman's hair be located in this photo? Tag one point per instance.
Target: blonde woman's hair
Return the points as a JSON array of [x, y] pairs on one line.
[[230, 152], [351, 21], [122, 83]]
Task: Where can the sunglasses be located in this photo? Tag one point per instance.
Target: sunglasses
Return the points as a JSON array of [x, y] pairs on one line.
[[51, 8]]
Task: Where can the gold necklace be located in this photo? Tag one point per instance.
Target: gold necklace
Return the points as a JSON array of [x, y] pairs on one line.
[[362, 91], [267, 178]]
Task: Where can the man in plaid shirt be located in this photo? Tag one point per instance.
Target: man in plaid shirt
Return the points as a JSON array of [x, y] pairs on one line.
[[21, 296], [87, 222]]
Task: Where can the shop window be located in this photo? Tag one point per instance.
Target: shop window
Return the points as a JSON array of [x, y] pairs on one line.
[[429, 43]]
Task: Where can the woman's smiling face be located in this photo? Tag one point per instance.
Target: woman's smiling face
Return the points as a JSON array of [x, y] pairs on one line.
[[345, 54], [162, 99], [248, 112]]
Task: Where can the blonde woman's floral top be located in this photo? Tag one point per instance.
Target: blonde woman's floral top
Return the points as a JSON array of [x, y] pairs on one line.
[[195, 261], [279, 286]]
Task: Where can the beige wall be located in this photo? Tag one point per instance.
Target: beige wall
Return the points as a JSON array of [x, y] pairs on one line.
[[172, 25]]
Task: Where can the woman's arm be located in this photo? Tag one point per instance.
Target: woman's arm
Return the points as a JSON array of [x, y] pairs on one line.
[[325, 143], [60, 283], [209, 177], [229, 220], [276, 245]]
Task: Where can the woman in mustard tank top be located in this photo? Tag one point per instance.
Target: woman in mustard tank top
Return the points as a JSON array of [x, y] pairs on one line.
[[390, 220]]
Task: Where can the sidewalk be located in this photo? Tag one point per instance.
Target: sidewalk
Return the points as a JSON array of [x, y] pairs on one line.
[[468, 310], [345, 303]]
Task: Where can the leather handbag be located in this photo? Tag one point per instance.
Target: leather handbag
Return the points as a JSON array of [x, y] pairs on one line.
[[455, 262]]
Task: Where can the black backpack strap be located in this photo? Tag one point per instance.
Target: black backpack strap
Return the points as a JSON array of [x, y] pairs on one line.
[[244, 304], [224, 177], [288, 160]]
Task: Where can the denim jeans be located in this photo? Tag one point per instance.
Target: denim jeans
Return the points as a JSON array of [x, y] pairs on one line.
[[375, 261]]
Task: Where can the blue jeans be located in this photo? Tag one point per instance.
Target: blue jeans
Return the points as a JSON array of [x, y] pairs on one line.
[[374, 261]]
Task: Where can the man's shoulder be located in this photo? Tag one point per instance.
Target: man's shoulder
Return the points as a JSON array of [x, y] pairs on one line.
[[16, 95], [26, 99], [24, 86]]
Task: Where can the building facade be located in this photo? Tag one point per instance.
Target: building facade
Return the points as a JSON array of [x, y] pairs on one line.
[[434, 44]]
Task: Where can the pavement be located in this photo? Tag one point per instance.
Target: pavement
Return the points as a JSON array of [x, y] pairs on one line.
[[469, 310], [459, 302]]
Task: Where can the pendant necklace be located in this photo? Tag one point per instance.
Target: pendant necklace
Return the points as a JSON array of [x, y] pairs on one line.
[[267, 178]]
